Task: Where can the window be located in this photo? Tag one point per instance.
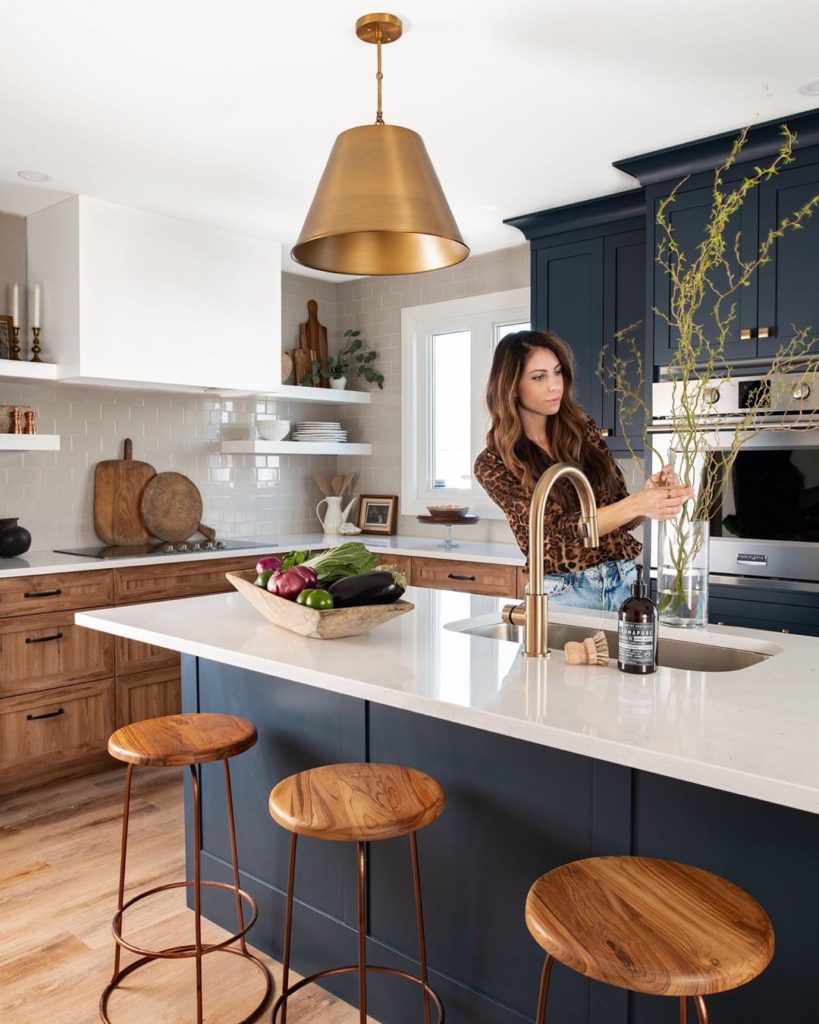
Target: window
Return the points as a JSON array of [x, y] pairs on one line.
[[447, 350]]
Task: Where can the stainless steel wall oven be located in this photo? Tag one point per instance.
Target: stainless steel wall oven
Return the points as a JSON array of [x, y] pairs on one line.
[[765, 523]]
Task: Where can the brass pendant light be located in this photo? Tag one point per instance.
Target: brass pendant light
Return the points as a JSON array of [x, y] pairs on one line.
[[379, 207]]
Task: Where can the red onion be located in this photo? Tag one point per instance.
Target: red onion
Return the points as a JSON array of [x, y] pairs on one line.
[[268, 564]]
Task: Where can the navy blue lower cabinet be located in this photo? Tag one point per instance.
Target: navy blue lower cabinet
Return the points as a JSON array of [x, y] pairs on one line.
[[789, 610], [514, 811]]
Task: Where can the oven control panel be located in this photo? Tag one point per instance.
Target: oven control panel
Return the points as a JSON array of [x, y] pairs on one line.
[[787, 395]]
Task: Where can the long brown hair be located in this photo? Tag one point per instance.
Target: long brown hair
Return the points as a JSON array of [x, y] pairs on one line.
[[566, 431]]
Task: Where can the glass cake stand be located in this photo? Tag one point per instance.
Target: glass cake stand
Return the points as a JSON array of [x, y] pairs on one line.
[[448, 521]]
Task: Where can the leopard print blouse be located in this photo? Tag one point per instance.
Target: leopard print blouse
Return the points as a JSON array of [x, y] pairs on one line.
[[564, 551]]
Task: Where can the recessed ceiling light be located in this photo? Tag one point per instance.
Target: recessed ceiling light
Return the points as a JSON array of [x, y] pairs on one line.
[[811, 88], [34, 176]]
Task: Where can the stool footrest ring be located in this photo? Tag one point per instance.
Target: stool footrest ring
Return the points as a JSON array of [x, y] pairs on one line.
[[178, 952], [252, 1016], [353, 969]]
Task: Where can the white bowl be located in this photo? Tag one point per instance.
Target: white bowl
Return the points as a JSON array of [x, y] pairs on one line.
[[273, 430]]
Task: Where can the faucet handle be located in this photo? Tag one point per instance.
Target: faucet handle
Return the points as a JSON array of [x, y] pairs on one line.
[[591, 537]]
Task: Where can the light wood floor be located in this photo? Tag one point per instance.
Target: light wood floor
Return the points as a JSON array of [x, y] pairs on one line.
[[59, 853]]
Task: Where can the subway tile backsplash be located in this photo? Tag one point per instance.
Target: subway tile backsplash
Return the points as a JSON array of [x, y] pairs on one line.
[[244, 496]]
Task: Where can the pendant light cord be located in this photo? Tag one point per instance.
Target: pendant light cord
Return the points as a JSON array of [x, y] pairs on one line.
[[379, 117]]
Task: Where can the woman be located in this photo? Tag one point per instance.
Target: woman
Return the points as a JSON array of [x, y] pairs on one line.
[[535, 423]]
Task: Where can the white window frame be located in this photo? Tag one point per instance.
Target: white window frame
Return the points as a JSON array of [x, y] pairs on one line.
[[479, 314]]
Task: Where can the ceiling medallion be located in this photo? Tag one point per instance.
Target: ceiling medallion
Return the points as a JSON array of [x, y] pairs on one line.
[[379, 207]]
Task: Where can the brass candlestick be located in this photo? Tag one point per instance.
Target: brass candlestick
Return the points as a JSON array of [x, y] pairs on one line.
[[14, 347], [35, 348]]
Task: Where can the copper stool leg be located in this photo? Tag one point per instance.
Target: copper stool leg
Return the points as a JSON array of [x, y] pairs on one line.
[[197, 910], [702, 1013], [288, 926], [361, 968], [362, 939], [123, 851], [198, 949], [683, 1010], [419, 920], [234, 856], [540, 1016]]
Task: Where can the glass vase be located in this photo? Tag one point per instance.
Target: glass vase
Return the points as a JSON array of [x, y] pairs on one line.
[[682, 572]]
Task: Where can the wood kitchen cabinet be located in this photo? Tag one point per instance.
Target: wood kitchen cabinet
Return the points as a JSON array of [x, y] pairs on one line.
[[64, 688], [474, 577]]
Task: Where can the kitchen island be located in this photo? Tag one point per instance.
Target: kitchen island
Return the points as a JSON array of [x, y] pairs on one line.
[[541, 763]]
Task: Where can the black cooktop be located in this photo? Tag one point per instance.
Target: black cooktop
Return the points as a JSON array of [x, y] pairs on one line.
[[161, 547]]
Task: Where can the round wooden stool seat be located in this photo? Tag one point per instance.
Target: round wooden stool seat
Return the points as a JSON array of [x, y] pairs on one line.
[[356, 802], [650, 925], [182, 740]]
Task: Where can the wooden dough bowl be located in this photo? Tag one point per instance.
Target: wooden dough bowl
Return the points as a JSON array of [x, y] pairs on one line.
[[323, 625]]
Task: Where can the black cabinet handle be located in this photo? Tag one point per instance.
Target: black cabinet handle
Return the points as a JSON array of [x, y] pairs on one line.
[[43, 639], [48, 714], [455, 576], [44, 593]]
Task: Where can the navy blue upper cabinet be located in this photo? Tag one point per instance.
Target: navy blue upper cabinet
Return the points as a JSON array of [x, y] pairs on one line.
[[567, 298], [688, 216], [789, 284], [783, 293], [588, 283], [624, 297]]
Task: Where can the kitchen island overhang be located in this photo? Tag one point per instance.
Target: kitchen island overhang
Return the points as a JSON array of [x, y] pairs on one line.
[[753, 732]]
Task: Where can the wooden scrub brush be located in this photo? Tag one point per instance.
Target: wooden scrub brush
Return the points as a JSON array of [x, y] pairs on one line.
[[594, 650]]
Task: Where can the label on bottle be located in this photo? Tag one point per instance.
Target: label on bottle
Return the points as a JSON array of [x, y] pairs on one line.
[[636, 643]]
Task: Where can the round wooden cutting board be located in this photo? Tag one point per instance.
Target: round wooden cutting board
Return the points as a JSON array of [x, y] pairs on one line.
[[171, 507]]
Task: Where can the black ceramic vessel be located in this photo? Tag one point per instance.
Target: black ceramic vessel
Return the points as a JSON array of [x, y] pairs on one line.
[[14, 539]]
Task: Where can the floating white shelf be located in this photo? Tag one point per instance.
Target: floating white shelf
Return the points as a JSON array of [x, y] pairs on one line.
[[21, 369], [29, 442], [295, 393], [293, 448]]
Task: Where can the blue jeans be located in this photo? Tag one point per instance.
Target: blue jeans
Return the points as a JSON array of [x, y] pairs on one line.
[[604, 586]]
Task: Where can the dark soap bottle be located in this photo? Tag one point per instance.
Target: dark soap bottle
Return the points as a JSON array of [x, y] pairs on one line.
[[637, 623]]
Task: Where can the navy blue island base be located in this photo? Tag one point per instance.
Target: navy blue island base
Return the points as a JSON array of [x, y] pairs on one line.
[[514, 811]]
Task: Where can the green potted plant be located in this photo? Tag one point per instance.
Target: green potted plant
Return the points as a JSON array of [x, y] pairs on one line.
[[336, 368], [704, 287]]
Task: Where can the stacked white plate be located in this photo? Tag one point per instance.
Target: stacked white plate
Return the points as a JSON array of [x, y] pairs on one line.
[[319, 430]]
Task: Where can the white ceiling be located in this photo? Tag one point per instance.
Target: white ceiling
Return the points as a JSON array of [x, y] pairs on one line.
[[225, 112]]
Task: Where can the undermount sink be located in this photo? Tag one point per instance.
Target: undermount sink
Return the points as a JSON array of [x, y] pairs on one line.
[[684, 654]]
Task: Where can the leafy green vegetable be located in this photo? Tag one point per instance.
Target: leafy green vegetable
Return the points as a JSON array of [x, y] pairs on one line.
[[293, 558], [348, 559]]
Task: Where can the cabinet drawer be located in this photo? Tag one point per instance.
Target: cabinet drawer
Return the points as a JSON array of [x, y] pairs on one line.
[[133, 656], [148, 695], [41, 651], [475, 577], [30, 595], [40, 729], [176, 579]]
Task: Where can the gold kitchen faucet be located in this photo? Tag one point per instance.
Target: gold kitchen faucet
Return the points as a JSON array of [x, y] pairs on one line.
[[533, 613]]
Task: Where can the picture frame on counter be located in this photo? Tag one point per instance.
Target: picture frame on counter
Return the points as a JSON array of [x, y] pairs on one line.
[[6, 334], [377, 513]]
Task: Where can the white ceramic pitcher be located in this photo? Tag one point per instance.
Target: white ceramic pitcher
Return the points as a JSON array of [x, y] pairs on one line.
[[334, 514]]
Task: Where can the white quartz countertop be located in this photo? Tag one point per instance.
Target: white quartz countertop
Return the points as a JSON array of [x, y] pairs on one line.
[[754, 731], [36, 563]]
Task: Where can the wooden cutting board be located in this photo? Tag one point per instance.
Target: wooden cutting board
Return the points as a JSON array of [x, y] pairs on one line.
[[118, 487], [312, 344], [171, 508]]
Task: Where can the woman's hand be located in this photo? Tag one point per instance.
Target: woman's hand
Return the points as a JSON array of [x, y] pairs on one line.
[[663, 495]]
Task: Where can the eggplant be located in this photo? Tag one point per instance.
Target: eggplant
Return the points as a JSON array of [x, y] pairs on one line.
[[366, 588]]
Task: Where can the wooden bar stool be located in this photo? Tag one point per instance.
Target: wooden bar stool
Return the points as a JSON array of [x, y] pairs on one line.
[[651, 926], [184, 740], [357, 803]]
